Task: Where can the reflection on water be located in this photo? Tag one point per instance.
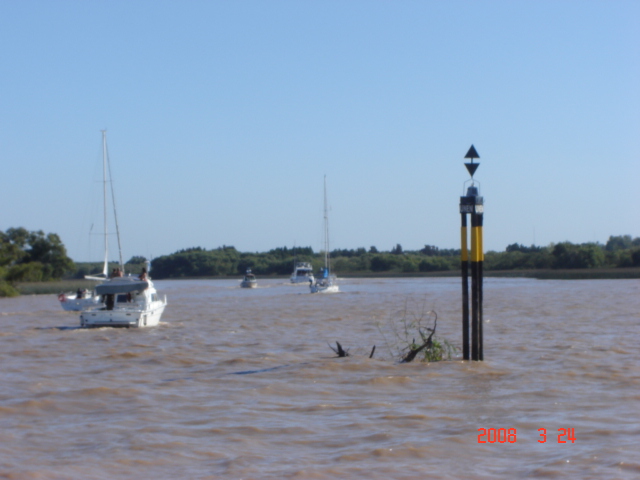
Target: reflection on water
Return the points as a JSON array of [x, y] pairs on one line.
[[239, 383]]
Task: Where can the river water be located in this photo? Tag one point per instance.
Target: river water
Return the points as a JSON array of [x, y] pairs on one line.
[[242, 384]]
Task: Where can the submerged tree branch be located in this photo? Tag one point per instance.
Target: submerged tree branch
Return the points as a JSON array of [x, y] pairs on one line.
[[340, 351], [428, 343]]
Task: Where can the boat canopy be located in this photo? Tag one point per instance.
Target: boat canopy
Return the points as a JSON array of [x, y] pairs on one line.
[[111, 288]]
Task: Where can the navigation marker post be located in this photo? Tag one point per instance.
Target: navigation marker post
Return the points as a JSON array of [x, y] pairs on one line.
[[472, 204]]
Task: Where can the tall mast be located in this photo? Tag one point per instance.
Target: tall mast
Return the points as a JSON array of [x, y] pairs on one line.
[[115, 211], [326, 229], [105, 269]]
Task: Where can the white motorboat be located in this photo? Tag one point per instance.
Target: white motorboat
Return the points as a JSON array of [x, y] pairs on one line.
[[249, 280], [128, 302], [327, 283], [302, 273]]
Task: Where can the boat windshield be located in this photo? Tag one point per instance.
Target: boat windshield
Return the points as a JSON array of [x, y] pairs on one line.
[[123, 298]]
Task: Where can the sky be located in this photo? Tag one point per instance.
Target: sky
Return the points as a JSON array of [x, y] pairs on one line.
[[223, 117]]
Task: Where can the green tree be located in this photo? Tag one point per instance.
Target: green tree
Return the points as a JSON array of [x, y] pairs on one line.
[[6, 289], [385, 262], [521, 248], [45, 255], [48, 250], [410, 265], [621, 242], [587, 255], [26, 272], [30, 257], [430, 251], [136, 259], [11, 251], [435, 264]]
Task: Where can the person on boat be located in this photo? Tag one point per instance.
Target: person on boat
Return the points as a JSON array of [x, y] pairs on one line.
[[143, 274], [79, 294], [109, 301], [116, 272]]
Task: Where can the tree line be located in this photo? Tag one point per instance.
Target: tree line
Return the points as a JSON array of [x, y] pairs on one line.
[[38, 257], [619, 252]]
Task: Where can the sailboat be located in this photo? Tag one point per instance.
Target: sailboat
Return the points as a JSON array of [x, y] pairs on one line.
[[83, 298], [327, 282], [124, 301], [74, 302]]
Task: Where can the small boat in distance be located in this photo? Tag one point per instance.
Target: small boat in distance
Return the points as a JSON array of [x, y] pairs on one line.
[[249, 280], [302, 273], [326, 284]]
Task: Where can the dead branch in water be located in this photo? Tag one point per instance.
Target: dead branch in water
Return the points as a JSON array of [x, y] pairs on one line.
[[340, 351], [413, 339], [428, 343]]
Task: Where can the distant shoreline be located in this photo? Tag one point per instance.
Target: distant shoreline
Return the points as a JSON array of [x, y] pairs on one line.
[[48, 288], [541, 274]]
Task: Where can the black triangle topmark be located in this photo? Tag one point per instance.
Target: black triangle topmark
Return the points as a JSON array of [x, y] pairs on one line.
[[472, 167], [472, 153]]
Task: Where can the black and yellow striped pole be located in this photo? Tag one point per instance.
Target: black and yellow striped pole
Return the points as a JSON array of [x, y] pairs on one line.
[[472, 204], [464, 269]]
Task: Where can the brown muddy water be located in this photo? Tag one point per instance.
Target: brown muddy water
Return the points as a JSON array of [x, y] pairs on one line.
[[241, 384]]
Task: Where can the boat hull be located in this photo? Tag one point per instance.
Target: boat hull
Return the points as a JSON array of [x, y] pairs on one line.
[[329, 289], [125, 317], [302, 273], [248, 284], [302, 279], [71, 303]]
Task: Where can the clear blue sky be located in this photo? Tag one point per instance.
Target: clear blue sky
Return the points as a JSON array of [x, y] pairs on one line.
[[224, 116]]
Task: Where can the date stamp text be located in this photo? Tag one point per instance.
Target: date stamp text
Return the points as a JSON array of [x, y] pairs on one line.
[[510, 435]]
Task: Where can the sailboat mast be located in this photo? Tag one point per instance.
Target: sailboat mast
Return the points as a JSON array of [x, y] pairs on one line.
[[105, 269], [326, 229], [115, 211]]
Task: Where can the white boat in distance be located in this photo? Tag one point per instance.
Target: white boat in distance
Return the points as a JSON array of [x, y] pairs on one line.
[[125, 301], [249, 280], [302, 273], [326, 284]]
